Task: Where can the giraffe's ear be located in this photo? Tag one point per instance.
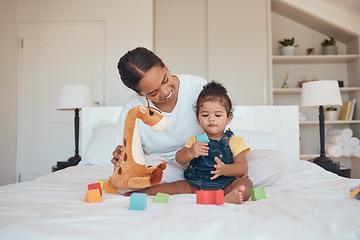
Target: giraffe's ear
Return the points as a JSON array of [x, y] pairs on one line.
[[142, 109]]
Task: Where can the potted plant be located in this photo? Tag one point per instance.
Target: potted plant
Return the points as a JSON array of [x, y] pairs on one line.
[[328, 46], [331, 114], [287, 46]]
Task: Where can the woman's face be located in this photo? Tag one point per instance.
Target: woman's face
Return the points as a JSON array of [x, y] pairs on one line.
[[159, 86]]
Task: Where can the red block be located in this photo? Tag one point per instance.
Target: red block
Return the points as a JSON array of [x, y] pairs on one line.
[[95, 186], [210, 197]]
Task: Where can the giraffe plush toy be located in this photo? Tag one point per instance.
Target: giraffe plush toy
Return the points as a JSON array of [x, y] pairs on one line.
[[133, 172]]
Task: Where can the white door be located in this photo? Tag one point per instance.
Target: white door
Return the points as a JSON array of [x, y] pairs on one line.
[[53, 55]]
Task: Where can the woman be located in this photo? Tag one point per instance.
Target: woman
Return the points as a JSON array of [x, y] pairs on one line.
[[175, 95]]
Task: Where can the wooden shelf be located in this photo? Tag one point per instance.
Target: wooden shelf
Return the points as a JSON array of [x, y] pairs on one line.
[[330, 122], [314, 59], [312, 156], [298, 90]]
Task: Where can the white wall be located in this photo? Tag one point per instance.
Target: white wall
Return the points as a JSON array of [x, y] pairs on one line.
[[8, 90], [129, 23]]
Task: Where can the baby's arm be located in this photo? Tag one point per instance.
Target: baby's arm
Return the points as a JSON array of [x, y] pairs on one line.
[[236, 169], [186, 154]]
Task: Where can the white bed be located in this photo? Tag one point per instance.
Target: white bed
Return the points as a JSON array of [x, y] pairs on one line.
[[306, 203]]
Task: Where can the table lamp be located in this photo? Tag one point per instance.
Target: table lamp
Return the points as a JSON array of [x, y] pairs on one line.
[[74, 97], [321, 94]]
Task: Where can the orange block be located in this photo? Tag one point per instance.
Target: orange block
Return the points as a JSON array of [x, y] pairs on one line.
[[110, 188], [355, 192], [93, 196]]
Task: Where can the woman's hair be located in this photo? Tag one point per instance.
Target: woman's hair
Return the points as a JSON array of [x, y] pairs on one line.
[[214, 91], [134, 64]]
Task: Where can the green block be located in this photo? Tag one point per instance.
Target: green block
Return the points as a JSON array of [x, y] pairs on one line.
[[161, 198], [257, 193]]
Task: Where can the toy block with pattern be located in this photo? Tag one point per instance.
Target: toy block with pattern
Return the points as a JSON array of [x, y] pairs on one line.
[[93, 196], [210, 197], [353, 189], [95, 186], [161, 198], [138, 201], [355, 192], [102, 183], [257, 193], [110, 188], [202, 138]]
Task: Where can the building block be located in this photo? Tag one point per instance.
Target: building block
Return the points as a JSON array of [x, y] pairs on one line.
[[210, 197], [93, 196], [257, 193], [355, 192], [110, 188], [353, 189], [358, 196], [202, 138], [161, 198], [138, 201], [102, 183], [95, 186]]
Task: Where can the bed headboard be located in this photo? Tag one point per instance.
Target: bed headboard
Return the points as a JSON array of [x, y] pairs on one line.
[[282, 121]]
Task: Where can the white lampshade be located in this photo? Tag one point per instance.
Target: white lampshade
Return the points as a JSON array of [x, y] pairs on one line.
[[75, 96], [324, 93]]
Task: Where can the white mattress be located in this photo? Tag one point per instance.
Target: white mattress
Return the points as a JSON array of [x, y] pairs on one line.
[[307, 203]]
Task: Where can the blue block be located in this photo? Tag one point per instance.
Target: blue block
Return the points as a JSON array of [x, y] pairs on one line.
[[358, 196], [202, 138], [138, 201]]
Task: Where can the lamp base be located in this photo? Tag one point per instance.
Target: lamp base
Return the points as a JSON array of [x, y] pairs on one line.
[[73, 161], [326, 163]]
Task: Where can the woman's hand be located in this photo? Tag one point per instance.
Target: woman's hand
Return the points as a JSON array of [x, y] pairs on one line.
[[117, 156], [220, 167], [199, 149]]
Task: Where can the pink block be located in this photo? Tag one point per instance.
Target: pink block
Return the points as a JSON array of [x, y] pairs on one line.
[[210, 197], [95, 186]]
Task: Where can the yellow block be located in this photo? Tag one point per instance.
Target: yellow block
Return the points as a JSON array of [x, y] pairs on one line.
[[102, 183], [93, 196], [110, 188], [355, 192]]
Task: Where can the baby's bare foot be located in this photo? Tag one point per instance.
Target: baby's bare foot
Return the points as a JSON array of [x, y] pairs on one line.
[[236, 196]]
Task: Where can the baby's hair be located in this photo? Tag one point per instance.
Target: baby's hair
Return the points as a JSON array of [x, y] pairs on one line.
[[214, 91]]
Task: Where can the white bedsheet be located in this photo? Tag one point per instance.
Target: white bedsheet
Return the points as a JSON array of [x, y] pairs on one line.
[[307, 203]]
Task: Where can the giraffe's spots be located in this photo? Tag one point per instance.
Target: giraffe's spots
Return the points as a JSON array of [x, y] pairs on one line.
[[124, 143], [120, 171], [125, 157]]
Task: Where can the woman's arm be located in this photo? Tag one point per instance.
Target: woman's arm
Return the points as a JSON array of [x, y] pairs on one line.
[[236, 169]]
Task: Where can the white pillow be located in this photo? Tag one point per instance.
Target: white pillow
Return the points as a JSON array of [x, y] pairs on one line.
[[266, 164], [258, 139], [101, 146]]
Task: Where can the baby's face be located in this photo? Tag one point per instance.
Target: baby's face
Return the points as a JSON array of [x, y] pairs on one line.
[[213, 118]]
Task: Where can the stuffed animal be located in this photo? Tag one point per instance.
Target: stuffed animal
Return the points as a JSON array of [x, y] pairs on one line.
[[132, 172]]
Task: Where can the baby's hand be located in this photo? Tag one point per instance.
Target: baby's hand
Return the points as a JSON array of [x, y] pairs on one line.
[[199, 149], [220, 169]]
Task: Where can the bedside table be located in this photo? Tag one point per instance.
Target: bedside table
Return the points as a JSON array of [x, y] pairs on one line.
[[337, 169], [62, 165], [342, 172]]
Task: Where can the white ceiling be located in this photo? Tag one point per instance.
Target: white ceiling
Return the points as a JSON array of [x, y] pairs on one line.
[[350, 6]]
